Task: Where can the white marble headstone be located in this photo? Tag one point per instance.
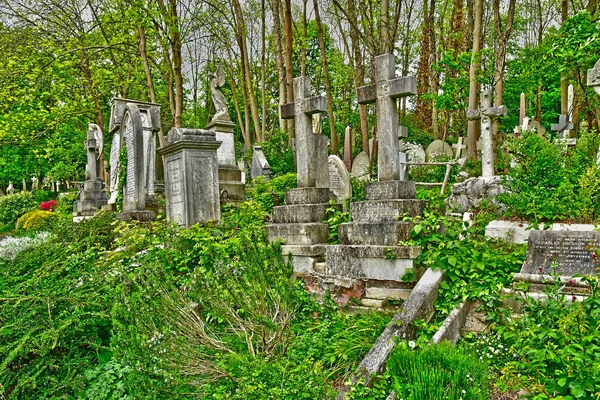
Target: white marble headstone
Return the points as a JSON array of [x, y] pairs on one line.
[[339, 179]]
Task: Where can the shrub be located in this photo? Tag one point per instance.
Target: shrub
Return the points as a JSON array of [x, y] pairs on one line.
[[65, 203], [271, 193], [48, 205], [279, 154], [37, 220], [15, 205], [437, 372]]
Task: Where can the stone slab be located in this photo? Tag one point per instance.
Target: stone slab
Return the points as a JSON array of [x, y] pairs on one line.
[[307, 195], [299, 234], [518, 232], [386, 233], [386, 210], [310, 250], [571, 252], [301, 213], [387, 293], [230, 174], [390, 190], [453, 324]]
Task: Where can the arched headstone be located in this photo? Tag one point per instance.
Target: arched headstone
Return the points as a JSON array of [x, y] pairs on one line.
[[437, 150], [360, 165], [339, 179], [134, 196]]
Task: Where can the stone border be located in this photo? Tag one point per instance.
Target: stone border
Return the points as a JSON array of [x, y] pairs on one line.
[[517, 232]]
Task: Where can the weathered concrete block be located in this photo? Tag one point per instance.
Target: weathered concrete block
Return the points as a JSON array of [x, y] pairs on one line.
[[387, 190], [301, 213], [299, 234], [387, 293], [386, 210], [228, 173], [374, 303], [375, 233], [310, 250], [307, 195]]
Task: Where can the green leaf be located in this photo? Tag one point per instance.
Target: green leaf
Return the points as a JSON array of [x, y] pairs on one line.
[[452, 261]]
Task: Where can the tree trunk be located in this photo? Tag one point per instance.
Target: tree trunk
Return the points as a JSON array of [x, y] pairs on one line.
[[289, 73], [564, 84], [423, 107], [263, 68], [279, 57], [334, 138], [384, 27], [472, 134]]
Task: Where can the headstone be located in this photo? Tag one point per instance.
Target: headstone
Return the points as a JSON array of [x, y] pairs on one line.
[[371, 144], [92, 197], [486, 113], [308, 146], [10, 189], [260, 165], [561, 252], [562, 126], [402, 158], [360, 165], [536, 127], [339, 179], [522, 109], [593, 77], [414, 151], [191, 176], [570, 99], [438, 150], [459, 146], [384, 93], [348, 148]]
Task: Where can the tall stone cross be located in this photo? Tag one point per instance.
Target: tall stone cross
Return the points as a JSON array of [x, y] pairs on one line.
[[562, 126], [383, 93], [302, 110], [593, 77], [486, 113]]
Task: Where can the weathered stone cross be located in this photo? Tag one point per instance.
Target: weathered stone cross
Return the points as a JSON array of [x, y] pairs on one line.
[[302, 110], [486, 113], [593, 77], [384, 93], [562, 126], [459, 146]]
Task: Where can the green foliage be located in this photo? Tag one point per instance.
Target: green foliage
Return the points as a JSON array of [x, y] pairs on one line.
[[37, 220], [437, 372], [279, 154], [270, 193], [358, 188], [66, 202], [334, 217], [15, 205], [555, 346]]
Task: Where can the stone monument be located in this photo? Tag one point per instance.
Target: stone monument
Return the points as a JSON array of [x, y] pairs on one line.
[[486, 113], [92, 197], [361, 165], [300, 222], [348, 148], [231, 187], [191, 176], [134, 125], [339, 180], [562, 126], [438, 150], [459, 146], [260, 165], [10, 189], [593, 77], [370, 255]]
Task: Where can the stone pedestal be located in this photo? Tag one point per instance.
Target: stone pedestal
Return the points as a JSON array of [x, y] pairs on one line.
[[191, 176], [231, 187], [370, 253], [299, 224], [91, 199]]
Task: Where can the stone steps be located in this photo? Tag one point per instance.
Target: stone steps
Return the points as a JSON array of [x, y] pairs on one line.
[[307, 196], [386, 210], [386, 233], [301, 213], [299, 233]]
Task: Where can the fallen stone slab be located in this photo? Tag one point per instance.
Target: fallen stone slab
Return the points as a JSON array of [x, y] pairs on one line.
[[451, 328]]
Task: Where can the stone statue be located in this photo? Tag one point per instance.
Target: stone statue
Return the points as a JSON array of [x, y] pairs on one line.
[[99, 136], [217, 82], [10, 189]]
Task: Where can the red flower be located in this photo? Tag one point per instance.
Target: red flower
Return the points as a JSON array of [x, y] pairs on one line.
[[48, 205]]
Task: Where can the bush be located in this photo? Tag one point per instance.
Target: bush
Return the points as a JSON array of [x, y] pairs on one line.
[[37, 220], [48, 205], [65, 203], [437, 372], [279, 154], [270, 193], [15, 205]]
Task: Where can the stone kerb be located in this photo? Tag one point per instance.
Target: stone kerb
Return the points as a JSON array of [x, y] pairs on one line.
[[191, 176]]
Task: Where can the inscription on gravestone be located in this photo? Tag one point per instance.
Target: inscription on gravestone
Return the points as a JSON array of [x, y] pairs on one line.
[[130, 157], [570, 251]]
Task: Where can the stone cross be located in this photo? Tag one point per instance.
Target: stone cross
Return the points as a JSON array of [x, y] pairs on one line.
[[302, 110], [486, 113], [459, 146], [384, 93], [593, 77], [562, 126]]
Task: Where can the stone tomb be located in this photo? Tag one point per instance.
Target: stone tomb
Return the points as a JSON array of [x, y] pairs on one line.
[[191, 176], [92, 197], [571, 251], [134, 125]]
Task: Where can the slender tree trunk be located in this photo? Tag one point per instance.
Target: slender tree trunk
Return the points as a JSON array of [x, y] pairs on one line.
[[384, 27], [564, 84], [263, 68], [334, 138], [174, 28], [243, 126], [474, 69], [423, 109], [276, 5], [289, 73], [304, 39]]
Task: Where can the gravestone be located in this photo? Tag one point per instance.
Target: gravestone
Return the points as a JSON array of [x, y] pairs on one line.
[[536, 127], [10, 189], [573, 253], [348, 148], [260, 165], [339, 180], [414, 151], [92, 197], [136, 124], [438, 150], [593, 77], [562, 126], [361, 165], [487, 114], [459, 146], [191, 176]]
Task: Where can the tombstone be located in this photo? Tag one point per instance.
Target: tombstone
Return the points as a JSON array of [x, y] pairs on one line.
[[348, 148], [371, 144], [438, 150], [384, 93], [309, 147], [486, 113], [538, 128], [92, 197], [10, 189], [260, 165], [361, 165], [414, 151], [522, 109], [572, 252], [191, 176], [136, 124], [593, 77], [402, 158], [339, 180], [231, 187], [459, 146], [562, 126]]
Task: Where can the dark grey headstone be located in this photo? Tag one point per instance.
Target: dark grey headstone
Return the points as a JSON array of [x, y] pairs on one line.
[[571, 251]]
